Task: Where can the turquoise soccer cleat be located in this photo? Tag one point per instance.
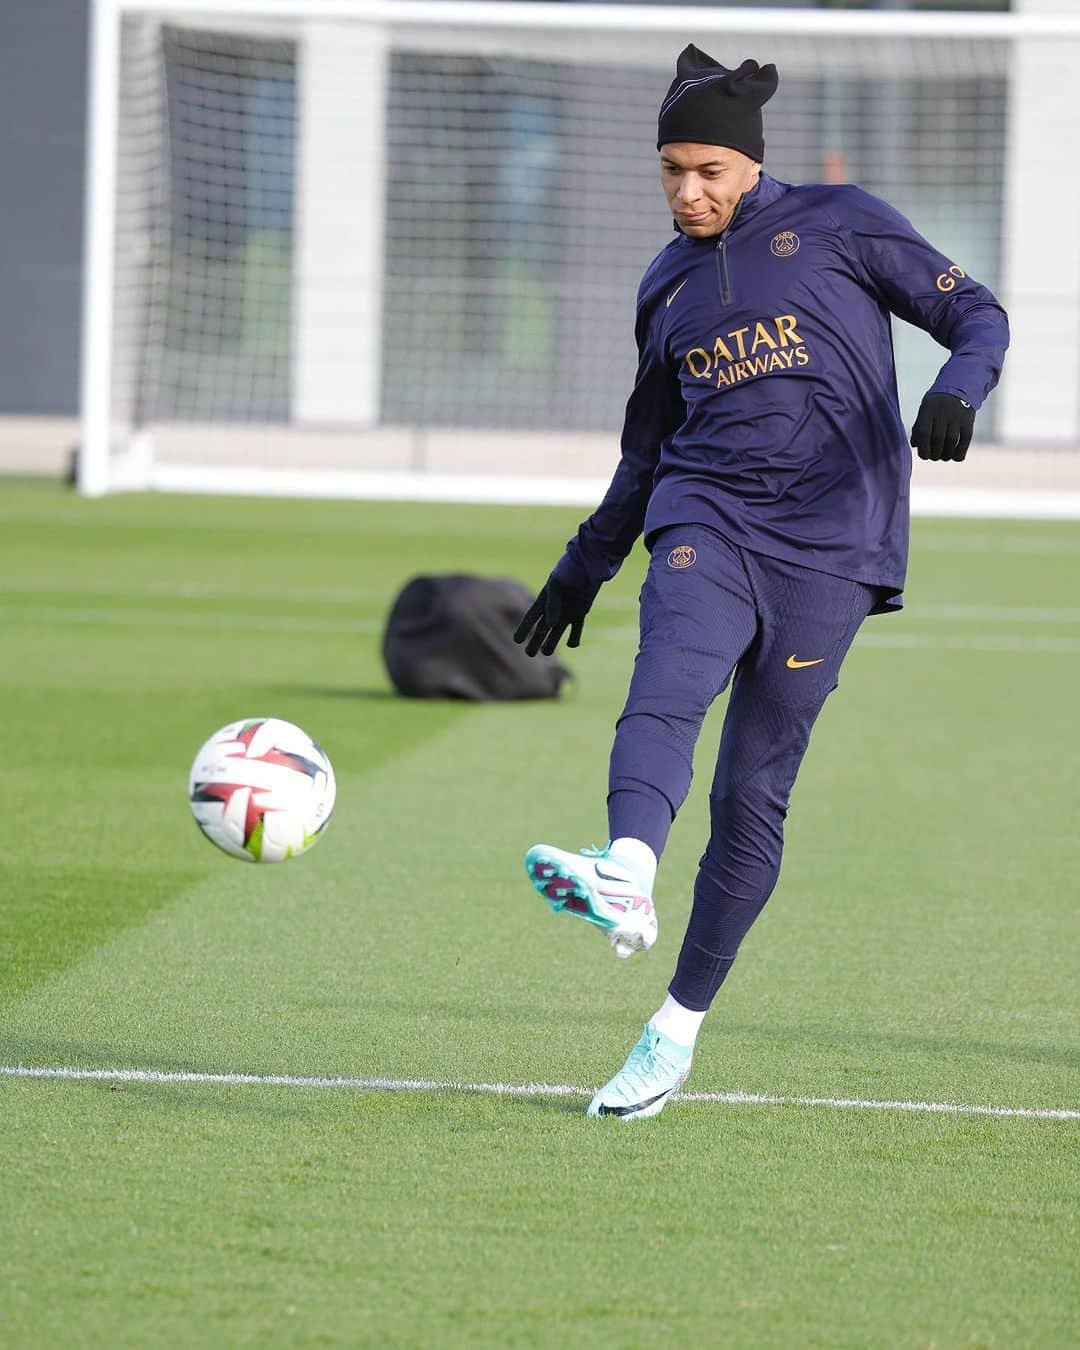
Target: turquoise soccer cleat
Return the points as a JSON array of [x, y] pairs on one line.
[[596, 886], [654, 1070]]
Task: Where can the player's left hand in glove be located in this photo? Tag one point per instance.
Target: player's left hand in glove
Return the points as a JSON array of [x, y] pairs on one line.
[[943, 427], [557, 608]]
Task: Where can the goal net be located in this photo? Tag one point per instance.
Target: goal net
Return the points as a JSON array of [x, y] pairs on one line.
[[393, 249]]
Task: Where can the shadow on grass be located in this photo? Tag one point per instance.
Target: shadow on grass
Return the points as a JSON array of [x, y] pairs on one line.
[[50, 1052], [371, 725], [829, 1038], [358, 693], [290, 1100], [387, 695], [53, 1052]]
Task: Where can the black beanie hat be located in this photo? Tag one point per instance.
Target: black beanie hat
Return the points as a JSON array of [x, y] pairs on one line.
[[711, 105]]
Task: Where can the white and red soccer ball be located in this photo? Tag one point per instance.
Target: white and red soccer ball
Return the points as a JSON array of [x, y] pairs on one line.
[[262, 790]]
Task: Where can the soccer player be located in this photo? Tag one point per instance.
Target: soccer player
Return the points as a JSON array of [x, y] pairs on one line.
[[764, 458]]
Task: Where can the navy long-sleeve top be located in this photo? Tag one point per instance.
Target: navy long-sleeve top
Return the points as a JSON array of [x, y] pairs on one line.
[[765, 403]]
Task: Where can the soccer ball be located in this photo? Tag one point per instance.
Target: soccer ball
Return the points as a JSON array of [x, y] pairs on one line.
[[262, 790]]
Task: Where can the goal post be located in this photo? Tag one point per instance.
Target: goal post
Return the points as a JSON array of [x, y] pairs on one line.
[[390, 247]]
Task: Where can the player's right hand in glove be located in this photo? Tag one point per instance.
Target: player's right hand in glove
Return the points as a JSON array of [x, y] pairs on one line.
[[557, 608]]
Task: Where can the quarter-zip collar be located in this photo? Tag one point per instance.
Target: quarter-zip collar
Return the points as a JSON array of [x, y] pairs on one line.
[[749, 204], [764, 192]]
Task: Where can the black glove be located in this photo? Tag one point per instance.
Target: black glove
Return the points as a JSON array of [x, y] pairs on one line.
[[554, 610], [943, 427]]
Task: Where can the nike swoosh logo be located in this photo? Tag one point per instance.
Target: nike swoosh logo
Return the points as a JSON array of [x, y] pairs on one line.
[[676, 291], [611, 876], [792, 664], [606, 1110]]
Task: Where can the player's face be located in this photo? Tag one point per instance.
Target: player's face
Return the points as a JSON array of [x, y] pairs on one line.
[[703, 183]]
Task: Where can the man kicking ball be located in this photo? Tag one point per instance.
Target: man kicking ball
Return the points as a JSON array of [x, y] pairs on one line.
[[764, 458]]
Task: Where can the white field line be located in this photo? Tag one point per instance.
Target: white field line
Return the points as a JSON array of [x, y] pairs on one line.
[[194, 591], [515, 1090], [933, 537], [975, 642], [244, 623], [269, 623], [967, 613], [987, 543], [937, 612]]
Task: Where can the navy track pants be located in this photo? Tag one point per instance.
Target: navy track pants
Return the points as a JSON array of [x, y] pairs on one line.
[[710, 608]]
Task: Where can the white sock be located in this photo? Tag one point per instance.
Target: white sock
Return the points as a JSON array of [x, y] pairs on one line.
[[678, 1023], [640, 857]]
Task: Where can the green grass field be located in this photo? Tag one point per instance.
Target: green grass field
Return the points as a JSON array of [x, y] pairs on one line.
[[920, 946]]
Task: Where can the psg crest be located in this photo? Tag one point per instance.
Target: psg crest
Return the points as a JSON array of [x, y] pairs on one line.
[[682, 557], [785, 244]]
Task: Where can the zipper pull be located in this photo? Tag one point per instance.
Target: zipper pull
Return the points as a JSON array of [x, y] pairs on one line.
[[723, 276]]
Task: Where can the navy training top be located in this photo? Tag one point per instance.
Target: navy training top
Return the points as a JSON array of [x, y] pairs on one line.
[[765, 403]]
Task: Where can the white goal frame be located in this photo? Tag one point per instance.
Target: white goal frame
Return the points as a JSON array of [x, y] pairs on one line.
[[1034, 366]]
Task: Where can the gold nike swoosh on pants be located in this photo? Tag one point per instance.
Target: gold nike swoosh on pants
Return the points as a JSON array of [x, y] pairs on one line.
[[792, 664]]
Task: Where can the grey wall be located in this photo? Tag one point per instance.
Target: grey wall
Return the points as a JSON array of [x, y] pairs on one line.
[[43, 47]]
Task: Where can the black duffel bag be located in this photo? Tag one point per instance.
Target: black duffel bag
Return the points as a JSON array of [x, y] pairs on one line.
[[451, 636]]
